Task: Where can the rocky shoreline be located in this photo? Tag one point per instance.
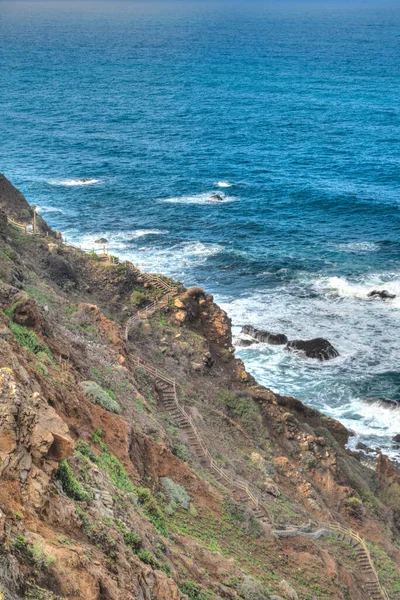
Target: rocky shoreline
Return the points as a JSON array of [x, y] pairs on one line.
[[106, 494]]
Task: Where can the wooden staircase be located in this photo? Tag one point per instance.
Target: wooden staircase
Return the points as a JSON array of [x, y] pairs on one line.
[[243, 493], [236, 486], [372, 585], [160, 283]]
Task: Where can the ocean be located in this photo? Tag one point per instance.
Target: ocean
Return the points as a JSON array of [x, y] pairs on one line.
[[123, 119]]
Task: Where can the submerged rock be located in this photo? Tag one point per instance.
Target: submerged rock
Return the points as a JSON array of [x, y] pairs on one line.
[[382, 294], [246, 343], [318, 348], [217, 198], [266, 337], [102, 241]]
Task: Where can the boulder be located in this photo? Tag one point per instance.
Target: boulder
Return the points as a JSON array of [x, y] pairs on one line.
[[318, 348], [396, 439], [102, 240], [276, 339], [382, 294], [216, 198]]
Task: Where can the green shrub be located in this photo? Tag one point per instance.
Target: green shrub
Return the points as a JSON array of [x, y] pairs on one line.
[[138, 298], [98, 533], [29, 340], [34, 554], [70, 484], [151, 508], [243, 406], [41, 369], [181, 451], [85, 450], [34, 592], [116, 470], [99, 396], [149, 559], [176, 493], [133, 540], [251, 589], [193, 591]]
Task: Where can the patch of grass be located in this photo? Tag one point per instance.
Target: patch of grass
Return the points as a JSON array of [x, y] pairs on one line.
[[193, 591], [35, 592], [33, 554], [152, 509], [98, 533], [42, 295], [70, 484], [149, 559], [389, 574], [29, 340], [242, 405], [101, 397], [133, 540], [115, 469], [138, 298]]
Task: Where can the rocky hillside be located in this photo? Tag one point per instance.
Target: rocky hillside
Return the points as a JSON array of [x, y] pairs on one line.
[[155, 467]]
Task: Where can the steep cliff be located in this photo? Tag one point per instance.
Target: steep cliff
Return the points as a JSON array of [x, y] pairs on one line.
[[155, 467]]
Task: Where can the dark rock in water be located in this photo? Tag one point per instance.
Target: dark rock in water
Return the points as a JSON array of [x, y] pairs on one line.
[[317, 348], [246, 343], [266, 337], [217, 197], [101, 241], [396, 439], [383, 294]]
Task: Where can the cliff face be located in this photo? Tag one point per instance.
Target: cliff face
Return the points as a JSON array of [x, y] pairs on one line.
[[105, 492]]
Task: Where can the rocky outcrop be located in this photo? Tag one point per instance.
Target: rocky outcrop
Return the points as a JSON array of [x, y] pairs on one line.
[[318, 348], [15, 205], [382, 294], [266, 337], [33, 438]]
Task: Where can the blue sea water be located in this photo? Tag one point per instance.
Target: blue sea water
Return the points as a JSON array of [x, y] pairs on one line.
[[289, 112]]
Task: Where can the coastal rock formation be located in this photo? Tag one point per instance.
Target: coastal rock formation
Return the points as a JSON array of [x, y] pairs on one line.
[[382, 294], [266, 337], [318, 348]]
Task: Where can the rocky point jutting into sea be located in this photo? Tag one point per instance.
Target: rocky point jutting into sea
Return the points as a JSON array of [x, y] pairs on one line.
[[139, 459]]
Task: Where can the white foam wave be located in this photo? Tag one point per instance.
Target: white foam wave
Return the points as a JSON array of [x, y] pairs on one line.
[[143, 232], [358, 247], [206, 198], [342, 287], [49, 209], [74, 182], [224, 184], [117, 240]]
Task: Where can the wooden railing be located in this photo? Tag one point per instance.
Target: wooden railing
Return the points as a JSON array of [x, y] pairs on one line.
[[338, 528], [20, 226], [233, 482]]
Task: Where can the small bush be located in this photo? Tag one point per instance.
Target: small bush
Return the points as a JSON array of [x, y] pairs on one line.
[[70, 484], [41, 369], [181, 451], [193, 591], [176, 493], [116, 471], [251, 589], [34, 554], [151, 508], [34, 592], [99, 396], [29, 340], [84, 449], [243, 406], [98, 533], [149, 559], [133, 540], [138, 298]]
